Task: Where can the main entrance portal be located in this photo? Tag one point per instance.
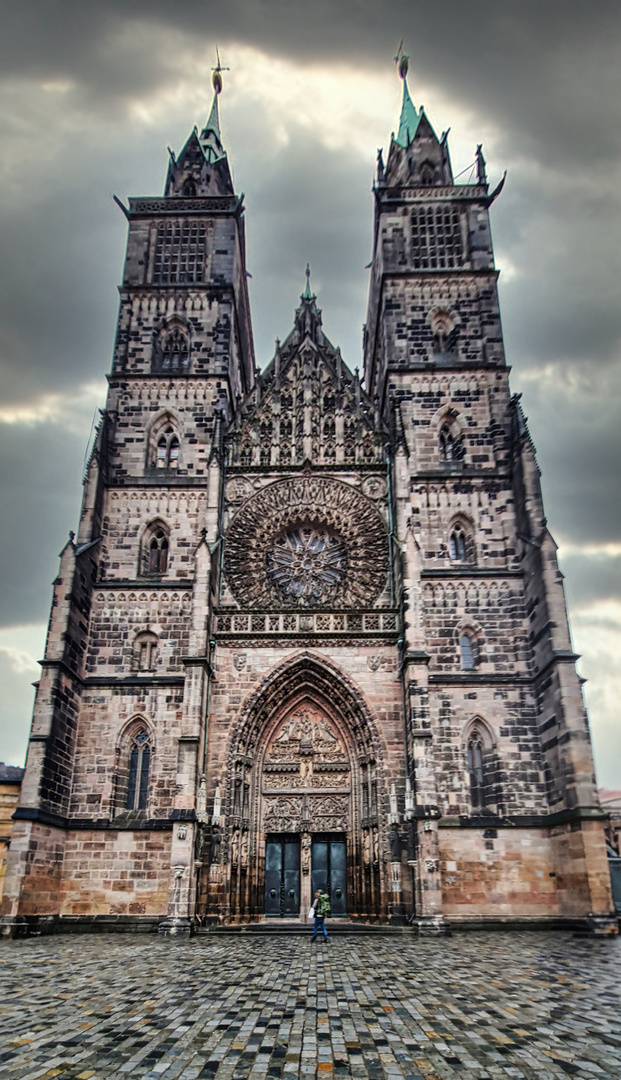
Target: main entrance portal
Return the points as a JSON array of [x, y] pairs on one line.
[[303, 804], [282, 873]]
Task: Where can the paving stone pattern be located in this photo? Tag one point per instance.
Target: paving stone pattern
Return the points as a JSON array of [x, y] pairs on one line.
[[475, 1006]]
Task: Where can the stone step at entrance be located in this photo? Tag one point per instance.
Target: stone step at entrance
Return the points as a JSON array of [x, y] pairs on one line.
[[290, 927]]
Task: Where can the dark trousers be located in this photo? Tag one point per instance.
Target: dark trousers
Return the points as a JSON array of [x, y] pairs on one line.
[[319, 925]]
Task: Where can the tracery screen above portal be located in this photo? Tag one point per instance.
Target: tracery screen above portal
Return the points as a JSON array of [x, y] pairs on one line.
[[306, 542]]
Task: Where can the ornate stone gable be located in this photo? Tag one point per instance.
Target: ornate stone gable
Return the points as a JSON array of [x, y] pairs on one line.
[[307, 541], [307, 406]]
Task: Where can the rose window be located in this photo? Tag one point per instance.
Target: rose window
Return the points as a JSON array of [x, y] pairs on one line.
[[307, 565]]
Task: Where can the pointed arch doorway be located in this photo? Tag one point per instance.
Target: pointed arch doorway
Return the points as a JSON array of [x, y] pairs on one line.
[[305, 791]]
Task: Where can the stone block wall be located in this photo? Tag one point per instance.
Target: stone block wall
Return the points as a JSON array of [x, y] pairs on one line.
[[497, 873], [115, 872], [107, 711]]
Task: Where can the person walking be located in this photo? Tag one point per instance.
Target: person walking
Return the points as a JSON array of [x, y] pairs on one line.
[[321, 904]]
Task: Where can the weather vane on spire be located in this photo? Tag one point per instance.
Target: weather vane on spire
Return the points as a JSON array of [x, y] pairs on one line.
[[216, 77], [401, 61]]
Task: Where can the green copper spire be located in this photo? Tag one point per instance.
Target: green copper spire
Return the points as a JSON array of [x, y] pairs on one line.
[[409, 119], [307, 294], [210, 138]]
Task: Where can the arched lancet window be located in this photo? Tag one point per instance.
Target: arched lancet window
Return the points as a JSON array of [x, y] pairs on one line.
[[466, 648], [189, 186], [459, 544], [245, 455], [328, 427], [145, 651], [138, 771], [155, 549], [167, 450], [447, 443], [286, 428], [172, 352], [475, 757]]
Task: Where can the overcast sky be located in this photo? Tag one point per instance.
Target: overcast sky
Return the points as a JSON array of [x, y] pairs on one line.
[[91, 94]]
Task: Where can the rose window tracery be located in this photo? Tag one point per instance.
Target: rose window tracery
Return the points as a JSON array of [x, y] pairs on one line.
[[307, 565], [309, 541]]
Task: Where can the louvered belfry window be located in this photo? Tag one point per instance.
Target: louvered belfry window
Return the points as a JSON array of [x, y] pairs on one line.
[[179, 253], [436, 238]]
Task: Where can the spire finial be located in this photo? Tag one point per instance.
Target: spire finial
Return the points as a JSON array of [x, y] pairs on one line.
[[216, 74], [307, 294], [401, 61]]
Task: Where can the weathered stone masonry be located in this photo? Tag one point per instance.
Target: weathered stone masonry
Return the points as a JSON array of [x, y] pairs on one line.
[[312, 631]]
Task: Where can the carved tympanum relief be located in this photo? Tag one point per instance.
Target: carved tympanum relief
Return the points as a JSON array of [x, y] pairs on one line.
[[306, 756], [305, 542]]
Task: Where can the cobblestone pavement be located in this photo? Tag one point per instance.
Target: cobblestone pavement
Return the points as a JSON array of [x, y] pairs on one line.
[[477, 1005]]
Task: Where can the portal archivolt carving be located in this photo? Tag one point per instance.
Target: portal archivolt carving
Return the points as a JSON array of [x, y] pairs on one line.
[[308, 541]]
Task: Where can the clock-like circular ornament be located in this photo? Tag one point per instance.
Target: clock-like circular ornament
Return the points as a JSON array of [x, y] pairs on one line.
[[310, 541]]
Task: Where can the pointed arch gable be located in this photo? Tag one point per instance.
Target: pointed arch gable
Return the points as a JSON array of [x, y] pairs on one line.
[[317, 677], [477, 724]]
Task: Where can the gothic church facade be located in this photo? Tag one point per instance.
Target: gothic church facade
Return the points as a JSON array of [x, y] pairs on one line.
[[312, 631]]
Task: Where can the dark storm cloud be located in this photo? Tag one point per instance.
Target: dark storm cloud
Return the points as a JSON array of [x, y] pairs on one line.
[[40, 478]]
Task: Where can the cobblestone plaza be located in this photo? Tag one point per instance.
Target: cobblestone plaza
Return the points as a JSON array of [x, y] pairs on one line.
[[478, 1005]]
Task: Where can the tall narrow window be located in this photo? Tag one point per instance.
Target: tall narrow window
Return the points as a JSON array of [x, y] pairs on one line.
[[138, 773], [447, 443], [467, 652], [167, 451], [145, 651], [175, 353], [476, 774], [458, 548], [155, 549], [158, 553]]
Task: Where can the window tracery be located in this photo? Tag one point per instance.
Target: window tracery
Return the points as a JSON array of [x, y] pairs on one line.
[[475, 757], [132, 777], [155, 550], [306, 541], [460, 543]]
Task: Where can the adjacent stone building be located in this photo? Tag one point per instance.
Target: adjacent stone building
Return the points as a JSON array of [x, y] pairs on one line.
[[312, 631]]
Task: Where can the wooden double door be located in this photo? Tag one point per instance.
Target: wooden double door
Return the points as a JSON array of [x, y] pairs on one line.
[[283, 878]]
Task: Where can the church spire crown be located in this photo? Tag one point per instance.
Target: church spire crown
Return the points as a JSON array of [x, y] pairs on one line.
[[202, 167]]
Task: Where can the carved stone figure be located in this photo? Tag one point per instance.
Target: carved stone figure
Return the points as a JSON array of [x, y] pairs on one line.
[[214, 846], [395, 844]]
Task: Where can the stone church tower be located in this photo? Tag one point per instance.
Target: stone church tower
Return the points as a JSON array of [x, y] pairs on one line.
[[312, 631]]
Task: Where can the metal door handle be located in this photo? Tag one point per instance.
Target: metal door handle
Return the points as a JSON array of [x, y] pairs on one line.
[[339, 894], [291, 893], [272, 893]]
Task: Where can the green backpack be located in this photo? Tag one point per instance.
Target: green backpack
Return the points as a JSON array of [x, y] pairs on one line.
[[323, 905]]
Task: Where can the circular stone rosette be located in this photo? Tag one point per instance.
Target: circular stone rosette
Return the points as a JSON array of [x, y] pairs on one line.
[[307, 542]]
